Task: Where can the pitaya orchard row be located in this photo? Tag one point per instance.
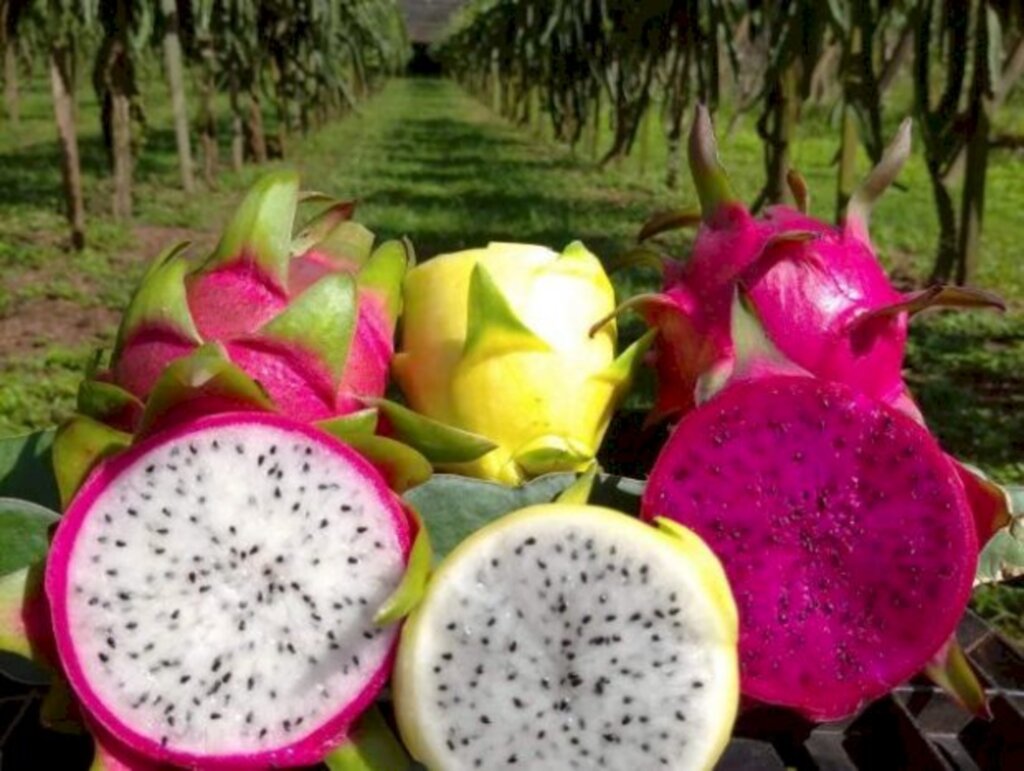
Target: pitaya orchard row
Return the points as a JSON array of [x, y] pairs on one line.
[[241, 567]]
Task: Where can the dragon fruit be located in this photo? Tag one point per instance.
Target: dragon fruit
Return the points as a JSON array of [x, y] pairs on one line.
[[495, 343], [819, 290], [586, 639], [845, 531], [215, 590], [312, 319]]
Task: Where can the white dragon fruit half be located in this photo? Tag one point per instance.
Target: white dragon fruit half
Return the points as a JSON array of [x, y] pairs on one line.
[[565, 637], [213, 592]]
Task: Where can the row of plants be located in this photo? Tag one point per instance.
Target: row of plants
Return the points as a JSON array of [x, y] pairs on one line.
[[577, 64], [302, 63]]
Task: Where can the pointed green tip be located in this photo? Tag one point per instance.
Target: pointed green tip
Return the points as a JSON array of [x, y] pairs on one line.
[[878, 180], [384, 272], [321, 322], [709, 177], [317, 229], [578, 493], [79, 445], [492, 326], [160, 300], [953, 673], [400, 465], [347, 242], [261, 230], [414, 583], [549, 453], [437, 441]]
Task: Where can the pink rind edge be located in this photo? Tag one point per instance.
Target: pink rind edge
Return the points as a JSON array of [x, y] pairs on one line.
[[648, 510], [309, 748]]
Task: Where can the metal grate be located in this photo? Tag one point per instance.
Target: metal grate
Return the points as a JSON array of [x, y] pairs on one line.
[[917, 727]]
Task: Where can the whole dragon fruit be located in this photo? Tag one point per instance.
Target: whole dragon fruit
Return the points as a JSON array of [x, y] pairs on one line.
[[312, 319], [495, 344], [819, 290]]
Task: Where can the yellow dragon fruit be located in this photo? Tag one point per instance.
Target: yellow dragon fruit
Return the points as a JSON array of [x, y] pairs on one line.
[[496, 342]]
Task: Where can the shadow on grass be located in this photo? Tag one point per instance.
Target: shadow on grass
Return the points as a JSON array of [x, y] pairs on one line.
[[968, 376]]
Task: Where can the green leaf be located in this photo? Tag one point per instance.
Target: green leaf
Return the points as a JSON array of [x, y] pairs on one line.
[[410, 591], [439, 442], [24, 533], [79, 445], [492, 327], [370, 746], [26, 469], [1002, 559], [454, 507], [321, 321]]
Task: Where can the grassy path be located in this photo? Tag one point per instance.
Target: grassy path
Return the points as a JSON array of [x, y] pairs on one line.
[[428, 161]]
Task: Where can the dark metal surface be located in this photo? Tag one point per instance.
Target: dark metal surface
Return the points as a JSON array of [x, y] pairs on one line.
[[918, 727]]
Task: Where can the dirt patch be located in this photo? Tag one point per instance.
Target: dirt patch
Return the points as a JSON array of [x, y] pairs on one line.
[[36, 323]]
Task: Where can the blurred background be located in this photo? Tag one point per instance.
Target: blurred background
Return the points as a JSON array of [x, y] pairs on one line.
[[131, 124]]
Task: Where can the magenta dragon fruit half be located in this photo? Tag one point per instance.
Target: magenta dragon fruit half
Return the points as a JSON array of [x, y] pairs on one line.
[[819, 290], [215, 592], [844, 529], [311, 318]]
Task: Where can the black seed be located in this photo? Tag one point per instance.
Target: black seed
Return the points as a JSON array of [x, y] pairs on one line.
[[485, 720]]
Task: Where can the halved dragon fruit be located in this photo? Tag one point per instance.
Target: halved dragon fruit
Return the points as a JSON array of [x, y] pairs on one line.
[[569, 636], [312, 319], [845, 531], [214, 591]]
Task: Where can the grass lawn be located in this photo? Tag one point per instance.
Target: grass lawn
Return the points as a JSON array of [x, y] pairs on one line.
[[426, 160]]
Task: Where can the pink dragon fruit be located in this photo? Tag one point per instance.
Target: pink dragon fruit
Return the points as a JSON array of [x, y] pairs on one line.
[[223, 593], [844, 530], [819, 290], [312, 319]]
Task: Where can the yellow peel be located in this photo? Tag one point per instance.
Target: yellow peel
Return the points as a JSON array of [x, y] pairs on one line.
[[700, 569]]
